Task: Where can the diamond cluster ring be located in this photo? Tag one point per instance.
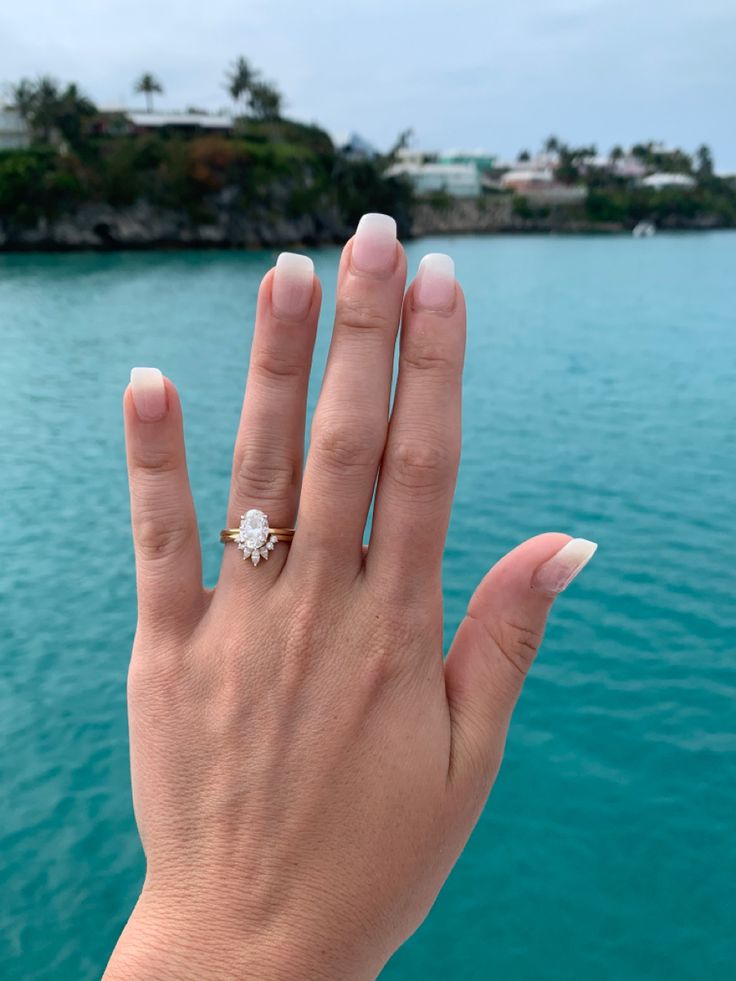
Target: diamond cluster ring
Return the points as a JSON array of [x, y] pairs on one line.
[[254, 537]]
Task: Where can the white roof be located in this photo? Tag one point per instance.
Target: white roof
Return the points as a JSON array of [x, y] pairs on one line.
[[204, 120], [443, 169], [662, 179], [527, 175]]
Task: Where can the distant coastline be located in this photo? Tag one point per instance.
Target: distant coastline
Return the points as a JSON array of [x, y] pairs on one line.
[[74, 176], [142, 226]]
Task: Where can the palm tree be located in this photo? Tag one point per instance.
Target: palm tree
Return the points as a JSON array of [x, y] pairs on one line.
[[264, 100], [240, 79], [38, 102], [704, 159], [551, 144], [24, 98], [148, 84]]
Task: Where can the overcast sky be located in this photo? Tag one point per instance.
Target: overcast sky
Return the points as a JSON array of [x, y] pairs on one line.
[[461, 73]]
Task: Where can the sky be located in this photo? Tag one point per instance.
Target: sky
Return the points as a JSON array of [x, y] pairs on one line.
[[460, 73]]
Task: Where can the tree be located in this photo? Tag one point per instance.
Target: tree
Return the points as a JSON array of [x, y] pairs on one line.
[[37, 102], [617, 153], [524, 156], [24, 98], [72, 110], [704, 161], [47, 109], [264, 100], [148, 84], [551, 144], [401, 143], [240, 79]]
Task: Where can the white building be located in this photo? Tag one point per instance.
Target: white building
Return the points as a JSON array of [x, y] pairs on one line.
[[629, 166], [405, 155], [659, 180], [457, 180], [180, 120], [14, 133], [525, 178]]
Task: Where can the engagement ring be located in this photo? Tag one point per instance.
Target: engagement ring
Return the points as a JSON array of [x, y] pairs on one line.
[[254, 537]]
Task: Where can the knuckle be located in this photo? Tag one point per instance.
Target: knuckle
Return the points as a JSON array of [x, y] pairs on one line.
[[161, 534], [268, 479], [344, 447], [425, 357], [155, 462], [273, 366], [358, 314], [421, 466], [516, 643]]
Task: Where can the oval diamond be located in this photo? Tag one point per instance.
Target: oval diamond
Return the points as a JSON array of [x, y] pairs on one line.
[[253, 529]]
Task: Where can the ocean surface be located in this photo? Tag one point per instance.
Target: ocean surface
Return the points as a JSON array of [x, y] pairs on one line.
[[600, 400]]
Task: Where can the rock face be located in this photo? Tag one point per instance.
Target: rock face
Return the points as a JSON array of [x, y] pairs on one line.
[[144, 225], [227, 225], [463, 215]]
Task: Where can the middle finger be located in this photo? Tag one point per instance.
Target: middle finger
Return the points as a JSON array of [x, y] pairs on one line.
[[351, 418]]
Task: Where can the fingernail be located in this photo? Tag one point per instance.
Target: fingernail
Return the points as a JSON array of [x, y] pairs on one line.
[[293, 284], [374, 245], [434, 287], [558, 572], [149, 393]]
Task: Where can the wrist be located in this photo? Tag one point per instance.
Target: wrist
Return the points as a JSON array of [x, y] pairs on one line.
[[171, 944]]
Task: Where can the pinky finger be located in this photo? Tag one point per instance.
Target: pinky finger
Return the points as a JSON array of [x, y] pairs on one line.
[[165, 535]]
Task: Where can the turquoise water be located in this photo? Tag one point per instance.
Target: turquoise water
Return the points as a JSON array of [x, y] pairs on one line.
[[599, 401]]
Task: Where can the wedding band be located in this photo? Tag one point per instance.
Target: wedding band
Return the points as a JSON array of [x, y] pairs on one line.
[[255, 538]]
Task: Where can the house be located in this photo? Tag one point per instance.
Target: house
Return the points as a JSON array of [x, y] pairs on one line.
[[525, 179], [14, 134], [539, 187], [122, 122], [482, 159], [180, 122], [405, 155], [457, 180], [659, 180], [630, 167]]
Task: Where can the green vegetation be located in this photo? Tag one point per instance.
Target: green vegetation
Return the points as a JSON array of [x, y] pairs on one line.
[[616, 199], [266, 165], [266, 171]]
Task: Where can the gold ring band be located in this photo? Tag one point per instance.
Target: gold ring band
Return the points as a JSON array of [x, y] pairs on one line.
[[255, 538], [233, 534]]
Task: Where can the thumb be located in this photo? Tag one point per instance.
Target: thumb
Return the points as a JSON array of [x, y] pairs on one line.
[[497, 641]]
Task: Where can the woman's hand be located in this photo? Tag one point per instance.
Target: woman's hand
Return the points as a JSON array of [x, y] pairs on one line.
[[306, 769]]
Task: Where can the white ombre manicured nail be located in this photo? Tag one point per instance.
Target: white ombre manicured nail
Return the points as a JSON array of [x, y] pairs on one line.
[[292, 287], [434, 287], [558, 572], [149, 393], [374, 245]]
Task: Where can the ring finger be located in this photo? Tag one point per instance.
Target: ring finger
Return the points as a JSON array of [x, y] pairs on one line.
[[267, 462]]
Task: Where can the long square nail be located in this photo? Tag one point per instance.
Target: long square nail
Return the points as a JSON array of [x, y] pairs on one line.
[[558, 572], [374, 245], [293, 285], [434, 286], [149, 393]]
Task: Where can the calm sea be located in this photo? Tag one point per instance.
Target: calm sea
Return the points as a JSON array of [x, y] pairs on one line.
[[600, 400]]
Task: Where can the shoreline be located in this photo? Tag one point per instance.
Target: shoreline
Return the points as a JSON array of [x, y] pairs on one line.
[[99, 227], [39, 244], [204, 245]]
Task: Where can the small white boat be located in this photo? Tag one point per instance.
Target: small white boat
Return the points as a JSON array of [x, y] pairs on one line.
[[644, 229]]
